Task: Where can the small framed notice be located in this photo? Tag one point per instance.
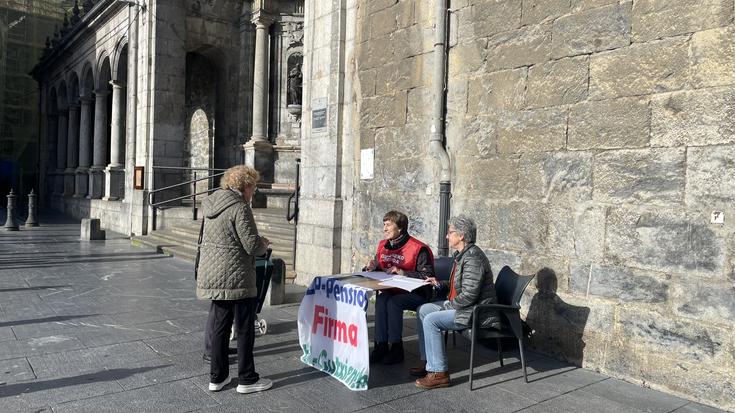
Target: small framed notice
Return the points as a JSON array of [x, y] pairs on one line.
[[139, 177], [319, 115], [367, 160]]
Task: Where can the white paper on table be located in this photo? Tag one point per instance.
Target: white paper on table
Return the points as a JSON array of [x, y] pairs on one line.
[[404, 283], [373, 275]]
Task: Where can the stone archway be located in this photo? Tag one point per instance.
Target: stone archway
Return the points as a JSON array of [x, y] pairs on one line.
[[201, 114]]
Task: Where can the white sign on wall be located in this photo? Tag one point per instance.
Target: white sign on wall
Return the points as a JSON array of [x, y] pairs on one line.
[[367, 160]]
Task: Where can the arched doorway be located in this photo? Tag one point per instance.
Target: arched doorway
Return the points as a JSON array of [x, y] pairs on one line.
[[201, 115]]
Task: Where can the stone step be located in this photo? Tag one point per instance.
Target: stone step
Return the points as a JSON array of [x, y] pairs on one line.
[[168, 240], [164, 246], [280, 243], [271, 213], [274, 229], [180, 241]]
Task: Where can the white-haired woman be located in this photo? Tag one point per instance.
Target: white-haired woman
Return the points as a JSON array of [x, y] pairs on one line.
[[471, 283], [226, 275]]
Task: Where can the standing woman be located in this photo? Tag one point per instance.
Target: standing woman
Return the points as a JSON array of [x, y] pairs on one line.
[[471, 283], [226, 275]]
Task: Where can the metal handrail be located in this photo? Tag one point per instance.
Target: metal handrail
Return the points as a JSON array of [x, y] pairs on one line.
[[183, 168], [193, 196], [294, 195], [295, 215], [191, 181]]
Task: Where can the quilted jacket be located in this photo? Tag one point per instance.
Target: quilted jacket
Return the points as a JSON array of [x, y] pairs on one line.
[[473, 281], [230, 243]]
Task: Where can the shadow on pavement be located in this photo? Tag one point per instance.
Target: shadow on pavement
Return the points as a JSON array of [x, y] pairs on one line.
[[45, 320], [47, 264], [100, 376], [37, 288]]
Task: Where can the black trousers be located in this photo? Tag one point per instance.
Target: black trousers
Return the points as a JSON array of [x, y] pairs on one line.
[[208, 330], [223, 314]]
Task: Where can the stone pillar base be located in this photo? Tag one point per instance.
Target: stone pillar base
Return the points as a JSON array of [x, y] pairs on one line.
[[82, 182], [90, 229], [58, 182], [69, 181], [114, 183], [259, 155], [96, 183]]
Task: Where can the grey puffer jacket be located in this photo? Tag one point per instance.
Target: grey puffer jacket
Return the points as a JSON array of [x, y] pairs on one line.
[[473, 281], [229, 246]]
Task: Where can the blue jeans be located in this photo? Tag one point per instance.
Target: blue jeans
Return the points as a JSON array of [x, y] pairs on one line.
[[431, 320], [389, 308]]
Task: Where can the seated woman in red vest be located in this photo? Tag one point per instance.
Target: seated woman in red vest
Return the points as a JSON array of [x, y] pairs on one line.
[[398, 253]]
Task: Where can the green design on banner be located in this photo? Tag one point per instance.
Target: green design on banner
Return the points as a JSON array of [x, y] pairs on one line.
[[341, 370]]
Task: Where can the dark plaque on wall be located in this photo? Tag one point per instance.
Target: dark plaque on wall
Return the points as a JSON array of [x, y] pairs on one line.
[[319, 118], [319, 115]]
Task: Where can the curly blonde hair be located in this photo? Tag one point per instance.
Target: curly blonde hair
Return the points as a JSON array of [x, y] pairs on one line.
[[239, 177]]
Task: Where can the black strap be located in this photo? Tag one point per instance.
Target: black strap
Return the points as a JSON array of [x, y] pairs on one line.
[[199, 247]]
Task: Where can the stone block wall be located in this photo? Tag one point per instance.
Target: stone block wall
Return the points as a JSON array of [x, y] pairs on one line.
[[392, 88], [591, 140]]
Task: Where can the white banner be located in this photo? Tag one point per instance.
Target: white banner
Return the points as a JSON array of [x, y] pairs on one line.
[[333, 330]]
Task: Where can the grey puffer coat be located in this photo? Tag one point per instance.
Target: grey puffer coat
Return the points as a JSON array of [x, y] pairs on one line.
[[473, 281], [229, 246]]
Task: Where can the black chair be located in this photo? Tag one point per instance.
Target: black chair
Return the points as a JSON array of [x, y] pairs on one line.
[[443, 270], [509, 288]]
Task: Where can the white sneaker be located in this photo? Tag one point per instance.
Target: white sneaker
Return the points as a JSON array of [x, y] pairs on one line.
[[260, 385], [219, 386]]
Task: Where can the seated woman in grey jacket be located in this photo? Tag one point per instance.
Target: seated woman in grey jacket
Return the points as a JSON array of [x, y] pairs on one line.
[[471, 283], [226, 275]]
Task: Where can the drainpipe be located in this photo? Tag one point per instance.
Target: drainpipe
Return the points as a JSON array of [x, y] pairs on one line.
[[134, 16], [436, 137]]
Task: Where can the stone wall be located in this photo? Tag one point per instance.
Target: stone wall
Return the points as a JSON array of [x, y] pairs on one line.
[[591, 141]]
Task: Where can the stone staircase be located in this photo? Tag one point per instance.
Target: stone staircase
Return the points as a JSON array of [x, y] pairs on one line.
[[180, 241]]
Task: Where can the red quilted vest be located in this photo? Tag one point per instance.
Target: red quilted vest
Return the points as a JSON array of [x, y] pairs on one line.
[[404, 257]]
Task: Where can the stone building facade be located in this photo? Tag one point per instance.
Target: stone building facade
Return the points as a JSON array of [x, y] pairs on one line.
[[591, 140], [24, 26], [166, 85]]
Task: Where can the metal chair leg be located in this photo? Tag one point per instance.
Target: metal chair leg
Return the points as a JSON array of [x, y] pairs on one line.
[[523, 359], [500, 351], [472, 357]]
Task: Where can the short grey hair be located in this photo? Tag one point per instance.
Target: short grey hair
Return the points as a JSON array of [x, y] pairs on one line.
[[465, 226]]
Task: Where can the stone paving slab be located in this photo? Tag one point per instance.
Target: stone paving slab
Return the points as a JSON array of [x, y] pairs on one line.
[[100, 326], [15, 370], [640, 398]]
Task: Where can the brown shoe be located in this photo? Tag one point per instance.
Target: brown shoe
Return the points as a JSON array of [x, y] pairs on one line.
[[434, 380], [418, 371]]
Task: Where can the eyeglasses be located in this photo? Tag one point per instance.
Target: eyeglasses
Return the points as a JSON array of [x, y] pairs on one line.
[[451, 232]]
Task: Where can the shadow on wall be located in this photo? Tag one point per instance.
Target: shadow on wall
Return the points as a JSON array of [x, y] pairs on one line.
[[558, 327]]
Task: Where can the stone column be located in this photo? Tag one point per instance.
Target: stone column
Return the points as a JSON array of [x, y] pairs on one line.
[[61, 144], [52, 130], [258, 151], [99, 160], [85, 135], [115, 171], [327, 169], [260, 79], [72, 150]]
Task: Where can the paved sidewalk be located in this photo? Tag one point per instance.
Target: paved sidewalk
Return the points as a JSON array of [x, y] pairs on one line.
[[102, 326]]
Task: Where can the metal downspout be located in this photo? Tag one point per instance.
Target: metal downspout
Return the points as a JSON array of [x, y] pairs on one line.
[[436, 136], [133, 103]]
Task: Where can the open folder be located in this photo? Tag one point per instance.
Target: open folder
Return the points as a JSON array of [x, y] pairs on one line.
[[395, 281]]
